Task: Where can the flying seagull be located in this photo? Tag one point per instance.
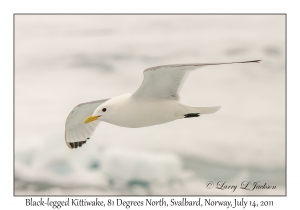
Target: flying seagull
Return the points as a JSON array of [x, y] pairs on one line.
[[155, 102]]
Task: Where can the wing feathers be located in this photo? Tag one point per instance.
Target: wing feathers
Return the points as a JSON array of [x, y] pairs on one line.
[[166, 81], [195, 65], [77, 133]]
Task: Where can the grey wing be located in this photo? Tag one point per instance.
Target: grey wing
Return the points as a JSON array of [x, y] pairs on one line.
[[166, 81], [76, 132]]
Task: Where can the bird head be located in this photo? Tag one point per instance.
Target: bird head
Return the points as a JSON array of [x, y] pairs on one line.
[[99, 114]]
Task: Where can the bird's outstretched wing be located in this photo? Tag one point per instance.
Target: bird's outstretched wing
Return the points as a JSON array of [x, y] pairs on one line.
[[166, 81], [77, 133]]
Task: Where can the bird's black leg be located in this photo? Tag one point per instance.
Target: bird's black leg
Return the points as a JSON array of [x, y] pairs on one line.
[[192, 115]]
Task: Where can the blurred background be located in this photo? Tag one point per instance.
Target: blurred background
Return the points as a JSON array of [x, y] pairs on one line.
[[64, 60]]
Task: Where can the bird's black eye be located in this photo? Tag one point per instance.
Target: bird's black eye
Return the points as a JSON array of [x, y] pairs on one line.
[[104, 110]]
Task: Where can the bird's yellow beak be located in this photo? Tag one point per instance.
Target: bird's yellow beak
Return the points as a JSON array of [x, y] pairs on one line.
[[90, 119]]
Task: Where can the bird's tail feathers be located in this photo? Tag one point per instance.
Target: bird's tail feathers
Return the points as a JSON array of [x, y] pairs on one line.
[[202, 110]]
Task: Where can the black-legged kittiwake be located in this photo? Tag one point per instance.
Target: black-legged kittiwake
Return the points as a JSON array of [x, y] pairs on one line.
[[155, 102]]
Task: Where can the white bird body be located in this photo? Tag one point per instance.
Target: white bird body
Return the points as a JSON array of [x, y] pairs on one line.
[[155, 102], [127, 111]]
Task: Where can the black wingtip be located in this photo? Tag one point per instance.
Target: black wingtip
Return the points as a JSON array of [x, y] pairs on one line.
[[73, 145], [254, 61]]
